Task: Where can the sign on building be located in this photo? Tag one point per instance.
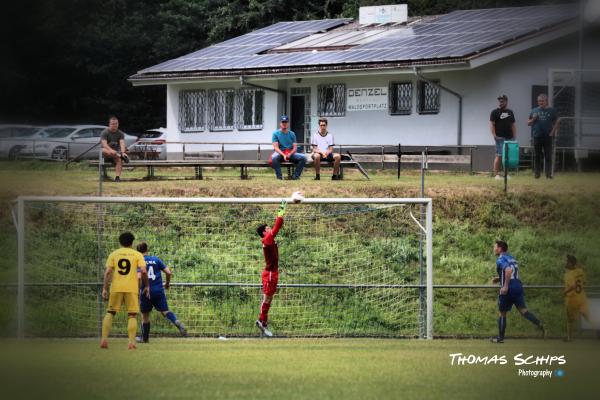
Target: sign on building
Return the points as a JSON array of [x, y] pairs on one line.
[[367, 99]]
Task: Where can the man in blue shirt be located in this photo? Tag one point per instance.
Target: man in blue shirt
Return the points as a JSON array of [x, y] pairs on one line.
[[543, 126], [286, 149], [157, 299], [511, 290]]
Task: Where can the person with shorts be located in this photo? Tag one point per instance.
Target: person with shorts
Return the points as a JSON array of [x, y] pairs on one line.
[[576, 303], [502, 125], [157, 300], [511, 290], [121, 273], [270, 274], [322, 150], [113, 146]]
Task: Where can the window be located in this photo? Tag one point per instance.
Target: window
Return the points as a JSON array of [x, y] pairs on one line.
[[221, 103], [428, 98], [191, 110], [250, 109], [400, 98], [84, 134], [332, 100]]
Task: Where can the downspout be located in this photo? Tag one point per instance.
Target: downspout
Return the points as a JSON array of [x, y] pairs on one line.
[[243, 82], [460, 105]]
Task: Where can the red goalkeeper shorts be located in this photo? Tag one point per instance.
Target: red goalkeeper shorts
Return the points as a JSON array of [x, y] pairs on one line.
[[269, 282]]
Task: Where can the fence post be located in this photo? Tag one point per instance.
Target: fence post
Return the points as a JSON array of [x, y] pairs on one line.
[[20, 269]]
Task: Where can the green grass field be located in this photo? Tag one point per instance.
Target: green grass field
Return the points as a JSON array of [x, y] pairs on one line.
[[291, 369]]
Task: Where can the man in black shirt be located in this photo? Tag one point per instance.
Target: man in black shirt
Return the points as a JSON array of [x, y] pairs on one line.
[[113, 146], [502, 125]]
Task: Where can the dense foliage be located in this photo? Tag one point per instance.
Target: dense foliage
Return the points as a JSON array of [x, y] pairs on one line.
[[69, 60]]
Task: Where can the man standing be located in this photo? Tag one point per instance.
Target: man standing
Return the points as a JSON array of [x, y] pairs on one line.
[[502, 125], [285, 146], [113, 146], [511, 290], [543, 126], [270, 274], [322, 147], [575, 298], [121, 273]]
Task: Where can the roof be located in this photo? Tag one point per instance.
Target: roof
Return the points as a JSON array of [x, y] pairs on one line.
[[318, 45]]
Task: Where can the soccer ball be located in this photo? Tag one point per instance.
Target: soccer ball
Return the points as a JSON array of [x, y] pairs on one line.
[[297, 197]]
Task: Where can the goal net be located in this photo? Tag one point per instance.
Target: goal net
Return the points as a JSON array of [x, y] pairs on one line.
[[348, 267]]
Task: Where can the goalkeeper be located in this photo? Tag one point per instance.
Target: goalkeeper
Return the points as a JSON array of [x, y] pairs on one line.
[[270, 274]]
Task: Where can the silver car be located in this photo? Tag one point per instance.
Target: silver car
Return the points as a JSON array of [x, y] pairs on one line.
[[14, 137], [68, 142], [152, 145]]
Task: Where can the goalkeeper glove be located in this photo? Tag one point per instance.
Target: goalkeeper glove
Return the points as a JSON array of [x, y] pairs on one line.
[[281, 208]]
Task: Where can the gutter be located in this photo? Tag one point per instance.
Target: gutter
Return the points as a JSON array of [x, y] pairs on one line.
[[244, 82], [455, 94]]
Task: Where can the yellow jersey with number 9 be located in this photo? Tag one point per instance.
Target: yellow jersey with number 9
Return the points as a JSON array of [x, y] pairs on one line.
[[577, 278], [125, 262]]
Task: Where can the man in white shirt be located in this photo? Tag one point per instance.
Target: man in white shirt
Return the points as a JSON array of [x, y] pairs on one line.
[[322, 147]]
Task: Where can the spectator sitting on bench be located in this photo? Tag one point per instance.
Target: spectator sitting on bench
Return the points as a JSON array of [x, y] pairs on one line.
[[113, 146], [322, 147], [285, 146]]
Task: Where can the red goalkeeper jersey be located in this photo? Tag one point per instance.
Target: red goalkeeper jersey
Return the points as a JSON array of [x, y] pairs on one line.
[[270, 249]]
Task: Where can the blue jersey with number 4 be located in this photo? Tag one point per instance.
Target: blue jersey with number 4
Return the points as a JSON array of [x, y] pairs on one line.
[[154, 266], [504, 261]]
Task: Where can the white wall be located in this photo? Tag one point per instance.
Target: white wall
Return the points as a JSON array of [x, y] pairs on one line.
[[514, 76]]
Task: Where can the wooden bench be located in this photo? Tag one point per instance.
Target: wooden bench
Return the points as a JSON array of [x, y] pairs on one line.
[[198, 165], [465, 160]]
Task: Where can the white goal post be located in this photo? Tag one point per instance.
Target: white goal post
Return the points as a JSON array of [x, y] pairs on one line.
[[377, 250]]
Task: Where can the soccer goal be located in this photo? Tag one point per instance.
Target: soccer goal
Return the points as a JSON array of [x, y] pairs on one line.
[[349, 267]]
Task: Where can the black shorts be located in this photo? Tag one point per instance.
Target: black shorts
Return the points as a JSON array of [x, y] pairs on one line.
[[328, 158]]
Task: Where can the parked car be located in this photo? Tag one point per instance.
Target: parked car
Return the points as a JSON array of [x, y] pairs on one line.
[[67, 142], [14, 137], [152, 145]]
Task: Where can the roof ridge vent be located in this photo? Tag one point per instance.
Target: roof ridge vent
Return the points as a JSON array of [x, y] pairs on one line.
[[395, 13]]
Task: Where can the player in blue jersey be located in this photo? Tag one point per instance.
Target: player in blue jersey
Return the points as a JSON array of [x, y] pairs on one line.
[[511, 290], [157, 299]]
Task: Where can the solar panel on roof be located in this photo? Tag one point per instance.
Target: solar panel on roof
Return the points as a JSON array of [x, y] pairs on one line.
[[457, 34]]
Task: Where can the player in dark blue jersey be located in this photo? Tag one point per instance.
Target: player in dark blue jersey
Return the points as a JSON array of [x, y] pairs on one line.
[[511, 290], [157, 299]]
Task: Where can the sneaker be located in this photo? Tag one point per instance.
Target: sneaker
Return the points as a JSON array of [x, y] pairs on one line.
[[317, 177], [263, 328], [498, 177], [131, 346], [537, 176], [104, 344], [497, 339], [280, 178], [138, 339], [181, 328], [117, 179], [549, 177], [295, 178], [336, 178]]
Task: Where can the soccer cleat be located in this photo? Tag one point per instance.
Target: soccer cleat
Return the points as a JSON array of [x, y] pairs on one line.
[[544, 332], [497, 339], [498, 177], [263, 328], [103, 344], [131, 346], [181, 328]]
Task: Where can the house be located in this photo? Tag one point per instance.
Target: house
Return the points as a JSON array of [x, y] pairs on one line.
[[384, 79]]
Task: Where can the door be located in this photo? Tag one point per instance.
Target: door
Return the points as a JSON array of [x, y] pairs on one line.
[[300, 115]]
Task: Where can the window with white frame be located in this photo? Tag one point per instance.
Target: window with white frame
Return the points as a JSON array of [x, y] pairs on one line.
[[428, 97], [221, 109], [400, 98], [332, 100], [192, 104], [250, 109]]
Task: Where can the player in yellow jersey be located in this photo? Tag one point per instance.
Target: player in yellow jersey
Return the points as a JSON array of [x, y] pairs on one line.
[[122, 270], [575, 298]]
